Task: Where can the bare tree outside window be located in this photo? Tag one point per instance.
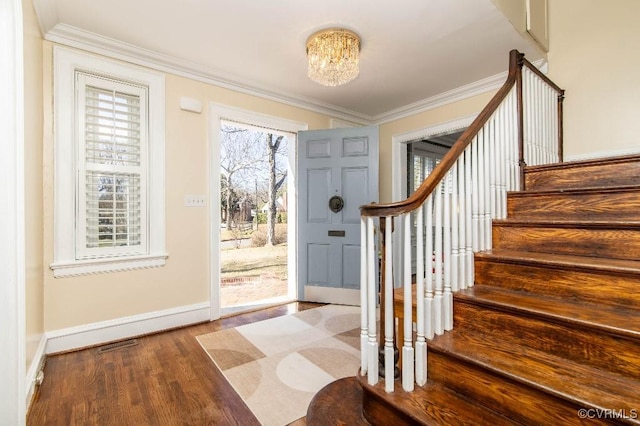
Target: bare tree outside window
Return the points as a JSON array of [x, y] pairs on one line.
[[275, 183], [242, 156], [254, 169]]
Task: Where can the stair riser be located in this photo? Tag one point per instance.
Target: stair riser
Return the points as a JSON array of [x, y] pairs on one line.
[[593, 175], [598, 242], [377, 410], [592, 347], [598, 287], [613, 205], [521, 403]]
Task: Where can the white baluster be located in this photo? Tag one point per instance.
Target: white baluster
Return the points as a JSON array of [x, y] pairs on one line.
[[468, 215], [462, 230], [455, 229], [421, 344], [372, 292], [389, 320], [447, 297], [481, 192], [493, 145], [486, 218], [475, 192], [407, 347], [429, 318], [500, 160], [438, 325]]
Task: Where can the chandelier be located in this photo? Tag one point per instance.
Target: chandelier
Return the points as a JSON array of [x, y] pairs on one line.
[[333, 56]]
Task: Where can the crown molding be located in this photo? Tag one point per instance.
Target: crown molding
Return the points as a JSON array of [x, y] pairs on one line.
[[77, 38], [463, 92], [460, 93], [80, 39]]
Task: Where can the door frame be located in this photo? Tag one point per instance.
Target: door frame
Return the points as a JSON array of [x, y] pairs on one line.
[[13, 389], [399, 170], [218, 113]]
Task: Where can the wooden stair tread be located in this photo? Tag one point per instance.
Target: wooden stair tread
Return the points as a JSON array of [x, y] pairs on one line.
[[339, 402], [564, 261], [541, 223], [582, 385], [570, 191], [434, 404], [616, 320], [585, 163]]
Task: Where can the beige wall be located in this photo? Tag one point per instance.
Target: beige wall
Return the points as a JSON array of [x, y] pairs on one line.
[[185, 278], [34, 296], [516, 12], [593, 56]]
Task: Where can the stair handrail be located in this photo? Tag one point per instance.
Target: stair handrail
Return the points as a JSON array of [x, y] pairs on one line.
[[516, 62]]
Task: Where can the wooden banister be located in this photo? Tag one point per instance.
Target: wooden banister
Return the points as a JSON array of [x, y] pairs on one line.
[[430, 183], [516, 62]]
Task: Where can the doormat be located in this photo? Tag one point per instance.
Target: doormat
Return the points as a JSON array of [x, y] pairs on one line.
[[278, 365]]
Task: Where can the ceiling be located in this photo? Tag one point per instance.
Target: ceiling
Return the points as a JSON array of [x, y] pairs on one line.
[[412, 50]]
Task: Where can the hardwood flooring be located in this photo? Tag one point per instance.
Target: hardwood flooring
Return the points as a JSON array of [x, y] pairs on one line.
[[166, 379]]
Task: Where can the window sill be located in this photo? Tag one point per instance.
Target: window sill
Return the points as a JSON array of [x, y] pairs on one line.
[[112, 264]]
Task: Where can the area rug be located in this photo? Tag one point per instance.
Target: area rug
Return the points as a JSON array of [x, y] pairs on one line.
[[278, 365]]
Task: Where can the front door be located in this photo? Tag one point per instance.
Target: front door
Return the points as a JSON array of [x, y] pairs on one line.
[[337, 173]]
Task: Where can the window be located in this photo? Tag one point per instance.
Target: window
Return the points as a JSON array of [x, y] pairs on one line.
[[109, 166]]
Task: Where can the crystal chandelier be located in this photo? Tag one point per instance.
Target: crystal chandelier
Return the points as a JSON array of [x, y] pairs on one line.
[[333, 56]]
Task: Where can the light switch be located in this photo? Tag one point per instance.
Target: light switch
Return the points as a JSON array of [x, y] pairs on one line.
[[194, 201]]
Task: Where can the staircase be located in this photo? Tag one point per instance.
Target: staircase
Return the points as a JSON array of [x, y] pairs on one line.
[[550, 333]]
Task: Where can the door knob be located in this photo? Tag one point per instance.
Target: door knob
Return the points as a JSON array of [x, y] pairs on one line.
[[336, 203]]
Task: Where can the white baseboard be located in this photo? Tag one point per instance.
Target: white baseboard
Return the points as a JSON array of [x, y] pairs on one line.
[[338, 296], [602, 154], [34, 368], [122, 328]]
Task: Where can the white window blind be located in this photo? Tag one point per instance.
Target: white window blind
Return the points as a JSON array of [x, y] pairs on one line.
[[112, 168]]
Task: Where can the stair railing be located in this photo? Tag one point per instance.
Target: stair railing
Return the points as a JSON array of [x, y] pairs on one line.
[[452, 209]]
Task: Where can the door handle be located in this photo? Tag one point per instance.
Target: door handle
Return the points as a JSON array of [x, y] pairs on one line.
[[336, 203]]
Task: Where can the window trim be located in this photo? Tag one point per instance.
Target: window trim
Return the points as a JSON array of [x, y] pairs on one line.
[[65, 263]]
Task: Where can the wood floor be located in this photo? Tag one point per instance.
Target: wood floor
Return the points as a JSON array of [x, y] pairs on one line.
[[166, 379]]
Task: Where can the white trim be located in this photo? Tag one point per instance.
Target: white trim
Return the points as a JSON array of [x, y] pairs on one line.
[[218, 112], [66, 62], [346, 296], [602, 154], [399, 149], [12, 217], [115, 264], [335, 123], [399, 171], [91, 42], [458, 94], [96, 333], [36, 365]]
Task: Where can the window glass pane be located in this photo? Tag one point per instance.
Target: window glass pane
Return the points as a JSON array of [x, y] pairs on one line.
[[112, 127], [113, 209]]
